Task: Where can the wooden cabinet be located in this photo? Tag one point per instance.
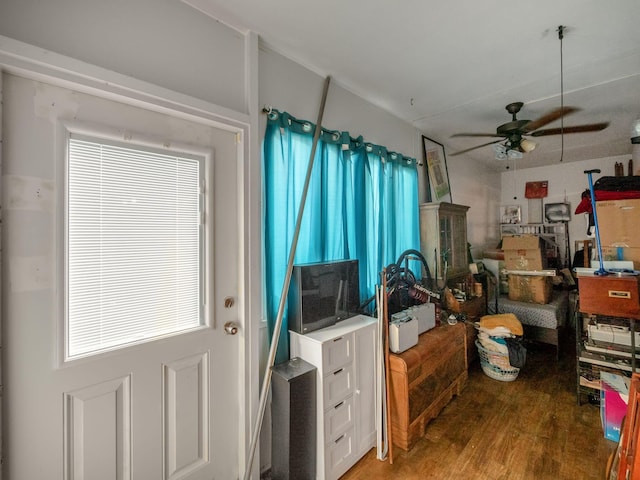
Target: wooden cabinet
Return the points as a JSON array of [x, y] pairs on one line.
[[443, 239], [423, 380], [345, 357]]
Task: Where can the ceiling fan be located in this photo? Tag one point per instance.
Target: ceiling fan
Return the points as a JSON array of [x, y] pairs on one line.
[[514, 133]]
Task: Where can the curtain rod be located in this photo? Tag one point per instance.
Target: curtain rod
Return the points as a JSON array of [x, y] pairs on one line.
[[269, 109]]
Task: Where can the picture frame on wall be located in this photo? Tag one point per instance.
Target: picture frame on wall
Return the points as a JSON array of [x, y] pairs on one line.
[[510, 214], [437, 173]]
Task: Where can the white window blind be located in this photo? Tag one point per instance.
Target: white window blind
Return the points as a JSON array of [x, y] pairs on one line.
[[134, 246]]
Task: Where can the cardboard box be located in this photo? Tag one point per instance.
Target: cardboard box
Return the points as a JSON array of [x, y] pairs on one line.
[[630, 254], [619, 222], [520, 242], [523, 252], [530, 288]]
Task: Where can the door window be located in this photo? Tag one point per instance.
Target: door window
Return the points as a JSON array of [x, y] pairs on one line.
[[134, 245]]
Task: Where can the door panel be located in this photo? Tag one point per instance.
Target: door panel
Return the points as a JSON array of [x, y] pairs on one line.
[[186, 392], [97, 431], [166, 409]]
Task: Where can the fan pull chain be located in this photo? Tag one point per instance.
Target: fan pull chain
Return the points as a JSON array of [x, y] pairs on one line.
[[561, 36]]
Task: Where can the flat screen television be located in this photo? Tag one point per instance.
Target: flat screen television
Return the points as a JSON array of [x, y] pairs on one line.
[[321, 294]]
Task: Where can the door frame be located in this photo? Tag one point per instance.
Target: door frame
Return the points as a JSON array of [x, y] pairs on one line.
[[37, 64]]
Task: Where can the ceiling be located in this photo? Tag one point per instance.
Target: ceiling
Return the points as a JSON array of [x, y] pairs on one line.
[[450, 67]]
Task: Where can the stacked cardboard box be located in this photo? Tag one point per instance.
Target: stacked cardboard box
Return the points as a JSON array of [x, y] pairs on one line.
[[523, 253], [619, 227]]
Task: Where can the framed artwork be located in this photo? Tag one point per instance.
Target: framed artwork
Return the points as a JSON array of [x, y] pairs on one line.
[[536, 189], [557, 212], [510, 214], [437, 172]]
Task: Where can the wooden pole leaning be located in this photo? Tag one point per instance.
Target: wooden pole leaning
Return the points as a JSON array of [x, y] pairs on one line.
[[266, 382]]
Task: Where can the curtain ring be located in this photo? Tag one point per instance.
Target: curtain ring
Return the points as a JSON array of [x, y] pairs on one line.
[[306, 127], [272, 114]]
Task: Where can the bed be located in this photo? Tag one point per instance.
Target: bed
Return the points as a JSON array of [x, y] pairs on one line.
[[542, 323]]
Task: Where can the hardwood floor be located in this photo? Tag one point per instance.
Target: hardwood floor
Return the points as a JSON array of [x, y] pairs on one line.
[[528, 429]]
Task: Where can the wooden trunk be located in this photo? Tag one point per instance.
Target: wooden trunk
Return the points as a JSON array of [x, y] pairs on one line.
[[423, 380]]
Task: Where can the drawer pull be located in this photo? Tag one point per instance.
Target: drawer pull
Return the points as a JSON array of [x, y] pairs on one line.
[[338, 371], [340, 438], [337, 339], [338, 405], [619, 294]]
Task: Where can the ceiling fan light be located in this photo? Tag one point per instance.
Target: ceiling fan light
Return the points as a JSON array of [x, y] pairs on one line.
[[501, 151], [527, 145]]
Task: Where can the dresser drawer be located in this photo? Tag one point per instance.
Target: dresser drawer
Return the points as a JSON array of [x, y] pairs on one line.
[[338, 419], [339, 454], [610, 295], [337, 352], [337, 386]]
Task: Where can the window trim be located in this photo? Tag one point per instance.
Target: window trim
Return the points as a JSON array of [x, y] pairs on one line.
[[130, 139]]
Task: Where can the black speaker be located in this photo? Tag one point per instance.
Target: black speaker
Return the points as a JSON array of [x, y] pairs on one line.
[[293, 421]]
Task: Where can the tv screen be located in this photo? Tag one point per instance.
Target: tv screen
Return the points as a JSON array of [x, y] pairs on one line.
[[321, 294]]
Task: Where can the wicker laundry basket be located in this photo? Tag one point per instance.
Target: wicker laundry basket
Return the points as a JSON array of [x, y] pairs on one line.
[[496, 365]]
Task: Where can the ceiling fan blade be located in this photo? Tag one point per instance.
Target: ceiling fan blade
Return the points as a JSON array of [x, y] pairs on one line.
[[548, 118], [592, 127], [473, 148], [476, 135]]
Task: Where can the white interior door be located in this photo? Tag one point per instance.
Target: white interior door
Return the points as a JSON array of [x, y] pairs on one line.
[[165, 409]]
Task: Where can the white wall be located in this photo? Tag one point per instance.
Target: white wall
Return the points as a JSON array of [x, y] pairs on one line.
[[567, 181], [474, 185], [164, 42]]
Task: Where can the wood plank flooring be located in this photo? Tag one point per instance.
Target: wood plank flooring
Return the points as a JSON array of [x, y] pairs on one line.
[[528, 429]]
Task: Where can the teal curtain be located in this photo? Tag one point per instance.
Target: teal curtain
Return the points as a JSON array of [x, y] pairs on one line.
[[362, 204]]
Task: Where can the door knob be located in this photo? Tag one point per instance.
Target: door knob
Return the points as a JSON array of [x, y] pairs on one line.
[[230, 328]]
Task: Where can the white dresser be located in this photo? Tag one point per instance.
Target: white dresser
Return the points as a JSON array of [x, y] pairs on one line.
[[345, 357]]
